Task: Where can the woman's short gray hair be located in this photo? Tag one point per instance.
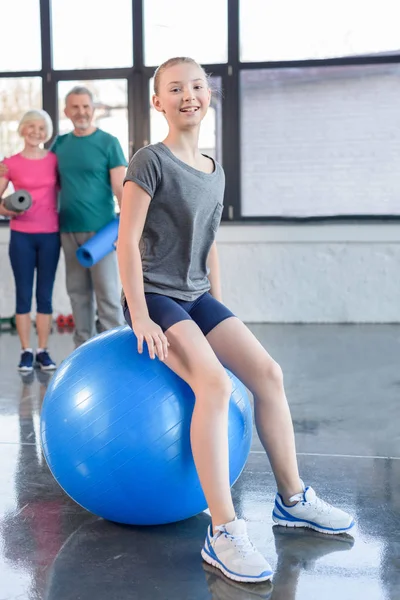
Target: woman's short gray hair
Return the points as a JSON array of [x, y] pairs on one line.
[[37, 115]]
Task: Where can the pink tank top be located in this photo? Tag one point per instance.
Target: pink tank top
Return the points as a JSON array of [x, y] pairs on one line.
[[39, 178]]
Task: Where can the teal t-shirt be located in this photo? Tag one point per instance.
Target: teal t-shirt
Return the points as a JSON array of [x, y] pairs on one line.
[[86, 200]]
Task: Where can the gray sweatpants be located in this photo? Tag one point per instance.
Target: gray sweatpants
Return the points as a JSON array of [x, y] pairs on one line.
[[84, 286]]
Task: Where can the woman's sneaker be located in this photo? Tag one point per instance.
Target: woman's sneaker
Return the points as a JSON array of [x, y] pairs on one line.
[[231, 551], [44, 361], [310, 511], [26, 361]]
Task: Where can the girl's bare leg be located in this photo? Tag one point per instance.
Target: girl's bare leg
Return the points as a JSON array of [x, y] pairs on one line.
[[239, 350], [192, 358]]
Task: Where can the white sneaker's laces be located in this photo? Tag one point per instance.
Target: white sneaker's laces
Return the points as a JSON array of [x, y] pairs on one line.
[[242, 542], [311, 499]]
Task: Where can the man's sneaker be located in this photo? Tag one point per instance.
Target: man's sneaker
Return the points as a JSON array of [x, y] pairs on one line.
[[231, 551], [26, 362], [44, 361], [310, 511]]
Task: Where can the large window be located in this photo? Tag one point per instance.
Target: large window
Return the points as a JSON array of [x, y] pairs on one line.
[[293, 30], [17, 96], [210, 140], [320, 141], [304, 116], [180, 28], [111, 107], [20, 48], [88, 34]]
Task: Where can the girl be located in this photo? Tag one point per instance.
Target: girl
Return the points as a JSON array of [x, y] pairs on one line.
[[34, 240], [171, 210]]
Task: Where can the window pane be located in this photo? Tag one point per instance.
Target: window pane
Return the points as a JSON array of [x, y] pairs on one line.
[[16, 97], [111, 107], [86, 36], [20, 48], [322, 141], [293, 30], [172, 29], [210, 141]]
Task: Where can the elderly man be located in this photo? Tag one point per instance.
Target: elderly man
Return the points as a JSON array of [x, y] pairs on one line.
[[92, 168]]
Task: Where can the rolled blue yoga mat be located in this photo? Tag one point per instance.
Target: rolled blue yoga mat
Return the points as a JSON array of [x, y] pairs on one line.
[[99, 245]]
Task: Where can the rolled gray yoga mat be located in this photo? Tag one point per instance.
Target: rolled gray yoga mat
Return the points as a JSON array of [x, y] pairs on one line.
[[18, 201]]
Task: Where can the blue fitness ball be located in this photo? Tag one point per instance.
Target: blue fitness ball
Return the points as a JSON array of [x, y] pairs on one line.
[[115, 432]]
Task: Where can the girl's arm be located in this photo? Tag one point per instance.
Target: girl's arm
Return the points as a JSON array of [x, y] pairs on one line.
[[132, 220], [214, 274], [134, 209]]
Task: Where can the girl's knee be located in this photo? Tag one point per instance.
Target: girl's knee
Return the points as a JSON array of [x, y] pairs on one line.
[[214, 382], [270, 372], [275, 372]]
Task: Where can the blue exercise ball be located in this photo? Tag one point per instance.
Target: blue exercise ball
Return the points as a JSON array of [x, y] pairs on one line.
[[115, 432]]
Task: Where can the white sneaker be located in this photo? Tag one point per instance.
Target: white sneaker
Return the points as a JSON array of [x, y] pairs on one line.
[[231, 551], [310, 511]]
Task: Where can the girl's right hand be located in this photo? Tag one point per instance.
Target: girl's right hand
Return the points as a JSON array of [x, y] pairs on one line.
[[3, 169], [147, 330]]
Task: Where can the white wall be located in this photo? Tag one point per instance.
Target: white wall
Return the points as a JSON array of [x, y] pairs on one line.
[[320, 273], [312, 273]]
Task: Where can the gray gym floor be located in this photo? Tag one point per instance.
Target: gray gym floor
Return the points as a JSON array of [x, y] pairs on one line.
[[343, 384]]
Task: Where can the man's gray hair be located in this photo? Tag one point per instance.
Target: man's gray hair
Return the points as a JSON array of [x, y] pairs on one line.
[[80, 90]]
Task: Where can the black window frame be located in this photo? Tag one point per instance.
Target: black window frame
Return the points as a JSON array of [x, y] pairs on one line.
[[138, 77]]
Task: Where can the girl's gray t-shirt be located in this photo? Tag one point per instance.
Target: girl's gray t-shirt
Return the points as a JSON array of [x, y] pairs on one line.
[[183, 217]]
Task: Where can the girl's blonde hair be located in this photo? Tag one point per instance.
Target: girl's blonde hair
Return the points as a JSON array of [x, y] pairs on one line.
[[37, 115], [171, 62]]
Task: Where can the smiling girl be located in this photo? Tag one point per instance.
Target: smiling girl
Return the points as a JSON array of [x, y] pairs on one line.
[[34, 239], [171, 210]]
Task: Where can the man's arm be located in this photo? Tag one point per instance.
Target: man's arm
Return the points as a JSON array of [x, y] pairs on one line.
[[117, 176], [214, 274]]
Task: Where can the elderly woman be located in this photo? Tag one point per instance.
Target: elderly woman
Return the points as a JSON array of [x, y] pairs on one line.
[[34, 240]]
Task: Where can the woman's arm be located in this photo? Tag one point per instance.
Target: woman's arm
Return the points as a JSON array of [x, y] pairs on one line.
[[214, 274], [3, 211], [3, 185], [134, 209]]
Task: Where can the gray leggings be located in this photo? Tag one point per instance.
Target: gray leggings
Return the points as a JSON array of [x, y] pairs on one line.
[[87, 288]]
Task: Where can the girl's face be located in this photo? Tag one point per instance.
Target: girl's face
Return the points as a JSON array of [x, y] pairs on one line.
[[34, 132], [183, 95]]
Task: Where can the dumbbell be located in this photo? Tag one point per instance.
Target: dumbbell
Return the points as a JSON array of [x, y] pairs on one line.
[[61, 321]]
